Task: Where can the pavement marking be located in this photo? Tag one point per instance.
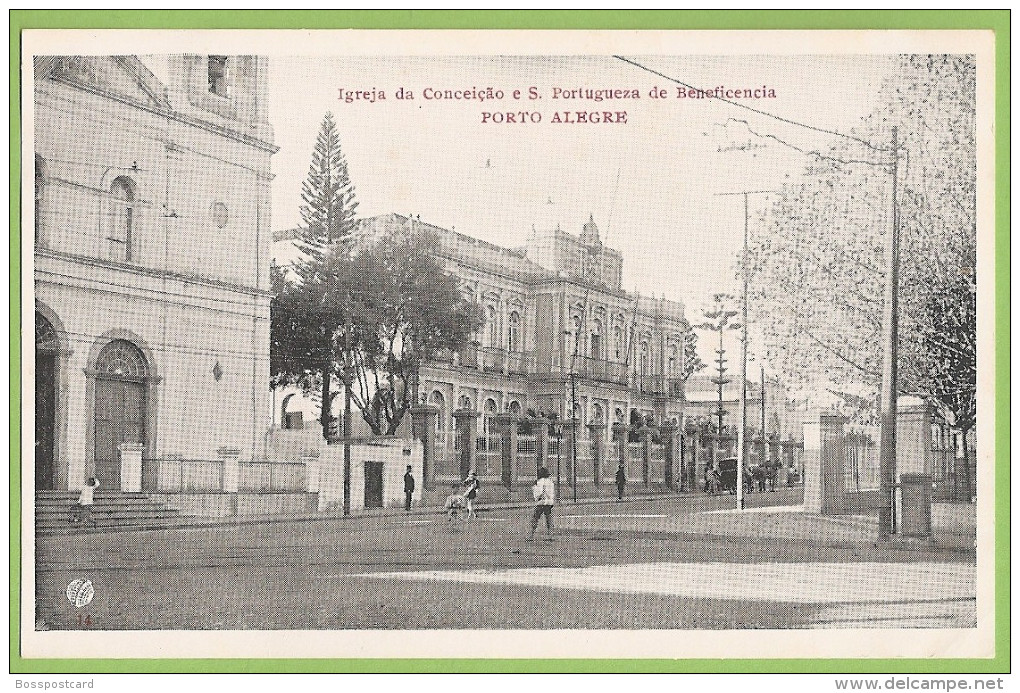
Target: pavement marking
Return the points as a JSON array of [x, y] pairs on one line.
[[420, 522], [805, 583], [768, 509], [564, 517]]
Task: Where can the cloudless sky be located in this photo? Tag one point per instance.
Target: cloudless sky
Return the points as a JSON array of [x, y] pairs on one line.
[[652, 184]]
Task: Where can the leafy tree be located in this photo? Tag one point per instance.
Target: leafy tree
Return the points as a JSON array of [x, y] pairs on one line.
[[817, 274], [370, 312], [409, 309]]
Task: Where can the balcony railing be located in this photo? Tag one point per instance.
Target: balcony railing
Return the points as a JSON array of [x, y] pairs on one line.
[[497, 360]]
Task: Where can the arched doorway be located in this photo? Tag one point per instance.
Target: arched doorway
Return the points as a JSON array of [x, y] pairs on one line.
[[120, 406], [46, 350]]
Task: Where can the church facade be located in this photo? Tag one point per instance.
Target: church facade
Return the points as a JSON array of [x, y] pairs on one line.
[[151, 253]]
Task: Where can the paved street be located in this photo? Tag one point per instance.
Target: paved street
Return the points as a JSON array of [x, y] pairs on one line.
[[679, 562]]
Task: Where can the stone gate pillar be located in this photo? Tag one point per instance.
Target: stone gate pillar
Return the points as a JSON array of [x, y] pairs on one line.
[[620, 432], [131, 466], [506, 423], [423, 427], [570, 430], [824, 459], [597, 435], [667, 433], [913, 439], [231, 468], [467, 432], [645, 434], [540, 425]]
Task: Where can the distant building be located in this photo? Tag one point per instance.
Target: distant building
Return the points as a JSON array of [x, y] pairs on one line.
[[151, 257], [555, 313], [780, 417]]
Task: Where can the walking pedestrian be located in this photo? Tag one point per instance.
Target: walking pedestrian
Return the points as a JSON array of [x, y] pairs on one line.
[[544, 492], [83, 509], [471, 486], [621, 482], [408, 488]]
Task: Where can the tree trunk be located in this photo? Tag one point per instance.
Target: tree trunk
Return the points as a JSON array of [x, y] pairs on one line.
[[962, 464], [327, 401]]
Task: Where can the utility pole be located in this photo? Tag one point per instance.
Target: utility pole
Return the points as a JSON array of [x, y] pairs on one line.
[[764, 439], [887, 520], [348, 378], [742, 430]]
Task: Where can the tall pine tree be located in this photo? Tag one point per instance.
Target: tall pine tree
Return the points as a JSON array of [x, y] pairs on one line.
[[327, 216], [329, 204]]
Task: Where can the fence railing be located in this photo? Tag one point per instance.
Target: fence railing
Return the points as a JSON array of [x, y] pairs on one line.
[[179, 475], [861, 470], [271, 476]]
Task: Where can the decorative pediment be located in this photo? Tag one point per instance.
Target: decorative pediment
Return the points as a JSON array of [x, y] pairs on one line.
[[123, 76]]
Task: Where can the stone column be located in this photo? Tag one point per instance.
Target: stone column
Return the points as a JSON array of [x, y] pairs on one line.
[[506, 423], [597, 435], [540, 425], [313, 469], [823, 465], [423, 428], [667, 431], [467, 426], [645, 434], [231, 468], [131, 467], [620, 432]]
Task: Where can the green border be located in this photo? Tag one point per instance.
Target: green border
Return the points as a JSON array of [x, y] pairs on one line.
[[993, 20]]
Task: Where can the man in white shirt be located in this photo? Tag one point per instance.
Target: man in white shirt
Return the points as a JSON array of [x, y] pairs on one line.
[[544, 492]]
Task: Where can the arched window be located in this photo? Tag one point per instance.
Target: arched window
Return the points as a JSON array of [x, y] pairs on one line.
[[122, 359], [492, 325], [672, 363], [515, 408], [122, 218], [644, 359], [514, 332], [595, 341], [439, 402], [596, 413], [618, 342], [464, 402], [489, 410]]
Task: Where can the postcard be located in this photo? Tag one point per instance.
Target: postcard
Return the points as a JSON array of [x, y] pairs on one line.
[[666, 345]]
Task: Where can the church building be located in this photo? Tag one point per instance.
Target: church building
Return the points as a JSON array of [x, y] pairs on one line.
[[151, 258]]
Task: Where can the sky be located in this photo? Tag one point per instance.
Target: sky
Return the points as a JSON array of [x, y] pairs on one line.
[[656, 185]]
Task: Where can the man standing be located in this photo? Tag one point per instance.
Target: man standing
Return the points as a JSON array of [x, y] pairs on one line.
[[408, 489], [621, 482], [544, 492]]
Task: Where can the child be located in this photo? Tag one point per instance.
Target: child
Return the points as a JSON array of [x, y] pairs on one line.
[[454, 503], [471, 486], [83, 510]]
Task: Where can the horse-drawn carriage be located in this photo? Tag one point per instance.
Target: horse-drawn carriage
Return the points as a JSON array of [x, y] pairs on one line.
[[757, 477]]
